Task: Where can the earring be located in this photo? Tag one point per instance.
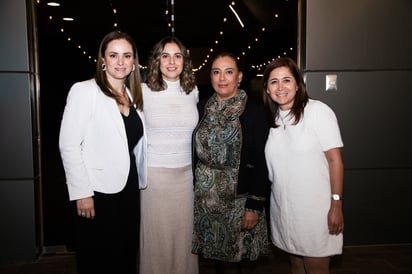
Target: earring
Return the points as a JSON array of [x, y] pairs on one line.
[[104, 67], [134, 67], [238, 84]]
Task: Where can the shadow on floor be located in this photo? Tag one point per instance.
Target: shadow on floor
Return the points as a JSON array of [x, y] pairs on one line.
[[389, 259]]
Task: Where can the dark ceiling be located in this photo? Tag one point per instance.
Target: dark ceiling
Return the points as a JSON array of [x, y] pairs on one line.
[[197, 23]]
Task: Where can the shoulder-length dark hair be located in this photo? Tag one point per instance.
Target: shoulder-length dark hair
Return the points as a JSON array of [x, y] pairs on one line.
[[132, 80], [301, 97], [154, 76]]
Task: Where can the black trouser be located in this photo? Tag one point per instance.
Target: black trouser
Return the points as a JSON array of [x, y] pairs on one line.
[[109, 242]]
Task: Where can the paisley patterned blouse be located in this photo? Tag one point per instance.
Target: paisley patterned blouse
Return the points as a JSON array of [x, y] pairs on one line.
[[218, 211]]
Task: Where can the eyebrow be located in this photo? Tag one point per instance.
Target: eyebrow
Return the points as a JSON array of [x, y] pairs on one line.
[[164, 52], [127, 52], [223, 69], [284, 77]]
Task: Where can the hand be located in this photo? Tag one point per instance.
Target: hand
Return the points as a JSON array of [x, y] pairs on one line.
[[250, 219], [85, 207], [335, 218]]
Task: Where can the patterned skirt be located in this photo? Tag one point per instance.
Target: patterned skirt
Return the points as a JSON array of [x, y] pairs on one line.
[[218, 214]]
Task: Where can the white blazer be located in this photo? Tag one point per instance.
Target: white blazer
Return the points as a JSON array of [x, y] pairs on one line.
[[93, 143]]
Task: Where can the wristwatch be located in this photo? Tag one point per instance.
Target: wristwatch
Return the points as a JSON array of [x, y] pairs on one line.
[[336, 197]]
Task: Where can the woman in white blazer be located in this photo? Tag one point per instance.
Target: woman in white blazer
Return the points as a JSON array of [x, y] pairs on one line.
[[103, 148]]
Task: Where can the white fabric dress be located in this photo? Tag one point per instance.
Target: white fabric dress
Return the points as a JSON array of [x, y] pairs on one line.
[[299, 172], [166, 224]]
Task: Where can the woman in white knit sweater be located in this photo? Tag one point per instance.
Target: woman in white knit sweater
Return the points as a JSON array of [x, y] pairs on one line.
[[170, 97]]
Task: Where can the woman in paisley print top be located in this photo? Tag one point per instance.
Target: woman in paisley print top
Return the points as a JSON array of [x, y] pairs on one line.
[[231, 178]]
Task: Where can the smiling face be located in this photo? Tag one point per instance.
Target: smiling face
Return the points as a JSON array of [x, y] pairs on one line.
[[282, 87], [171, 62], [118, 59], [225, 77]]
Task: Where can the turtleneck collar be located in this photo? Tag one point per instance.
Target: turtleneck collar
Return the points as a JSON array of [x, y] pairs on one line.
[[172, 84]]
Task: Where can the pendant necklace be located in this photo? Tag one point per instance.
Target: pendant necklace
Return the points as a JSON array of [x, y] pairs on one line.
[[282, 116]]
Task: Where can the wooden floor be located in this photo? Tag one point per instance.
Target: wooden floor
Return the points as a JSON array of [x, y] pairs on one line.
[[391, 259]]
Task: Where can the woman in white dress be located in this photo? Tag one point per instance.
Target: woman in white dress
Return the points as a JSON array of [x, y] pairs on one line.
[[170, 97], [303, 154]]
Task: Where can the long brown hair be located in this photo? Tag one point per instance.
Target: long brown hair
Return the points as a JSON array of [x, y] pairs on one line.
[[301, 97], [132, 80], [154, 76]]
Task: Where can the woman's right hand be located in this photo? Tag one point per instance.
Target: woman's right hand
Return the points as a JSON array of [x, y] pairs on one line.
[[85, 207]]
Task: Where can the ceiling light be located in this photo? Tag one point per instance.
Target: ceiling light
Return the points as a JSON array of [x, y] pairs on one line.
[[68, 19], [237, 16], [53, 4]]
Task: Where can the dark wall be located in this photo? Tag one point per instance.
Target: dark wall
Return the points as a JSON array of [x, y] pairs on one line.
[[18, 175], [367, 45]]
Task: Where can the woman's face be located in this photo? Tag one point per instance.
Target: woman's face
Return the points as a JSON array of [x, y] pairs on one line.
[[119, 59], [225, 77], [171, 62], [282, 87]]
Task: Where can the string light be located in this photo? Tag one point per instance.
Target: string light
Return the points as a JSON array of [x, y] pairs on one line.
[[69, 19], [115, 18], [171, 24], [172, 17], [68, 38], [249, 46]]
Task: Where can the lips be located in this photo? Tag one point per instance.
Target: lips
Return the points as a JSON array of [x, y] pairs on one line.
[[222, 85]]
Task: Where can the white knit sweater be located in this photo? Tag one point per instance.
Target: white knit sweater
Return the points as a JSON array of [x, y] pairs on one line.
[[171, 116]]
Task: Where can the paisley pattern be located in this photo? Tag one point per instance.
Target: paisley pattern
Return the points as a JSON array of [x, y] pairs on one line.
[[218, 211]]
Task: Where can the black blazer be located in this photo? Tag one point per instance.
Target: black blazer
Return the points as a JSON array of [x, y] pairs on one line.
[[253, 174]]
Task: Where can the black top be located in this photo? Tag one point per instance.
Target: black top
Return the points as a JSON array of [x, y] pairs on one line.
[[134, 131]]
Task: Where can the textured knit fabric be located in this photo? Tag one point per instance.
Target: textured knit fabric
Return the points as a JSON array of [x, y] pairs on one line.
[[171, 115], [167, 203], [299, 172], [218, 210], [167, 222]]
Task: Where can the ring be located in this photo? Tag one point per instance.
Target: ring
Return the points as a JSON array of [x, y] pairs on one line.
[[83, 213]]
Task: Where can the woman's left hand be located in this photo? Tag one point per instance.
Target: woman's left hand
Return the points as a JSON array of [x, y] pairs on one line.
[[335, 218], [250, 219]]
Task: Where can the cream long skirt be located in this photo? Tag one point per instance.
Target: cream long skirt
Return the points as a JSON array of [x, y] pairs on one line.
[[166, 224]]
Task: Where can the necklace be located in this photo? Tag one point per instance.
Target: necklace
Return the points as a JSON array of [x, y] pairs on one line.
[[283, 117], [123, 97]]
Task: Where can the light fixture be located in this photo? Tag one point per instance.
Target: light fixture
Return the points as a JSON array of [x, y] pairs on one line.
[[53, 4], [237, 16]]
